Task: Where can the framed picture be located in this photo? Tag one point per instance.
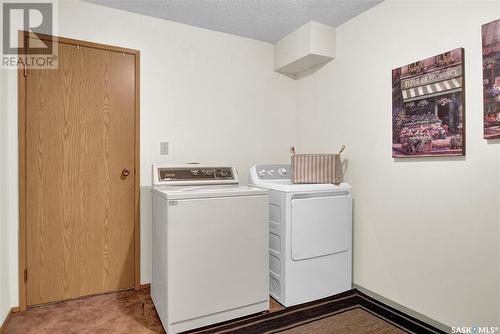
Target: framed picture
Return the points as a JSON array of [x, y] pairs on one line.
[[491, 79], [428, 109]]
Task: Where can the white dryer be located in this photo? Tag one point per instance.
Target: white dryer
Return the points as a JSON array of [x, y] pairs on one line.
[[210, 239], [310, 236]]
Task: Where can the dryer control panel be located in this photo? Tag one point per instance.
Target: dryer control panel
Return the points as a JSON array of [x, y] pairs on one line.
[[273, 172]]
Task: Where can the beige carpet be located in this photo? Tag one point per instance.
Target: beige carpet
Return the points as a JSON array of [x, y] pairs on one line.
[[133, 312]]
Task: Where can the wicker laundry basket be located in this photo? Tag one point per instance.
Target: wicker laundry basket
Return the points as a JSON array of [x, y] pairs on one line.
[[316, 168]]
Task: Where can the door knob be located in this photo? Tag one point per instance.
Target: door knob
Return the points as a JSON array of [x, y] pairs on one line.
[[126, 172]]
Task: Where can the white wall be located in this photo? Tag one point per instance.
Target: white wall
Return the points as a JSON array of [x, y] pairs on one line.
[[5, 226], [426, 231], [213, 96]]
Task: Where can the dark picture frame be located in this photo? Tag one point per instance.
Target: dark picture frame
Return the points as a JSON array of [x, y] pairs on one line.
[[428, 107], [490, 33]]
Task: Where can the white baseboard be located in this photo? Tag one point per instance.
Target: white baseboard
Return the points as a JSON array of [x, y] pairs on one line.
[[403, 309]]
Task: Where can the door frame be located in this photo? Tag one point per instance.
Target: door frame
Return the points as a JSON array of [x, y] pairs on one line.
[[21, 83]]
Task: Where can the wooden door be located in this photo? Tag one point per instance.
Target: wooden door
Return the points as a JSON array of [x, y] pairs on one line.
[[79, 142]]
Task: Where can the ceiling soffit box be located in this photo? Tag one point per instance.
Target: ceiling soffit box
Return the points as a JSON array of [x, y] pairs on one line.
[[307, 48]]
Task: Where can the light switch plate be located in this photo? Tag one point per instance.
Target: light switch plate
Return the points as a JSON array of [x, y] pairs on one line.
[[164, 148]]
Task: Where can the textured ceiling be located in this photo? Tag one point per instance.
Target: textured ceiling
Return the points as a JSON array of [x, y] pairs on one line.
[[266, 20]]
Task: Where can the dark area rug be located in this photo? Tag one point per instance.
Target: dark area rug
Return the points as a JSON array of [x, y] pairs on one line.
[[348, 312]]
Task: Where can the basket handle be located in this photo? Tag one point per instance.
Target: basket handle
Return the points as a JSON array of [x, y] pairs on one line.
[[342, 149]]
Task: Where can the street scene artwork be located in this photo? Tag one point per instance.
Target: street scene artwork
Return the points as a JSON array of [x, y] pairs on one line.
[[491, 79], [428, 107]]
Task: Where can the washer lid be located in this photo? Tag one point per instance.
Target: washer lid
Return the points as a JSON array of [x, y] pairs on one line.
[[191, 192]]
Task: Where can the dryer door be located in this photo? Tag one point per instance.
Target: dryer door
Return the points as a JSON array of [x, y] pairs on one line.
[[320, 226]]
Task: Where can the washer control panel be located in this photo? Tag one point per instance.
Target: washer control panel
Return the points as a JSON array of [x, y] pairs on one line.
[[193, 175], [184, 174], [267, 172]]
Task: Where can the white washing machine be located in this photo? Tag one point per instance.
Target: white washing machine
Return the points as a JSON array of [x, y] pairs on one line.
[[310, 236], [210, 246]]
